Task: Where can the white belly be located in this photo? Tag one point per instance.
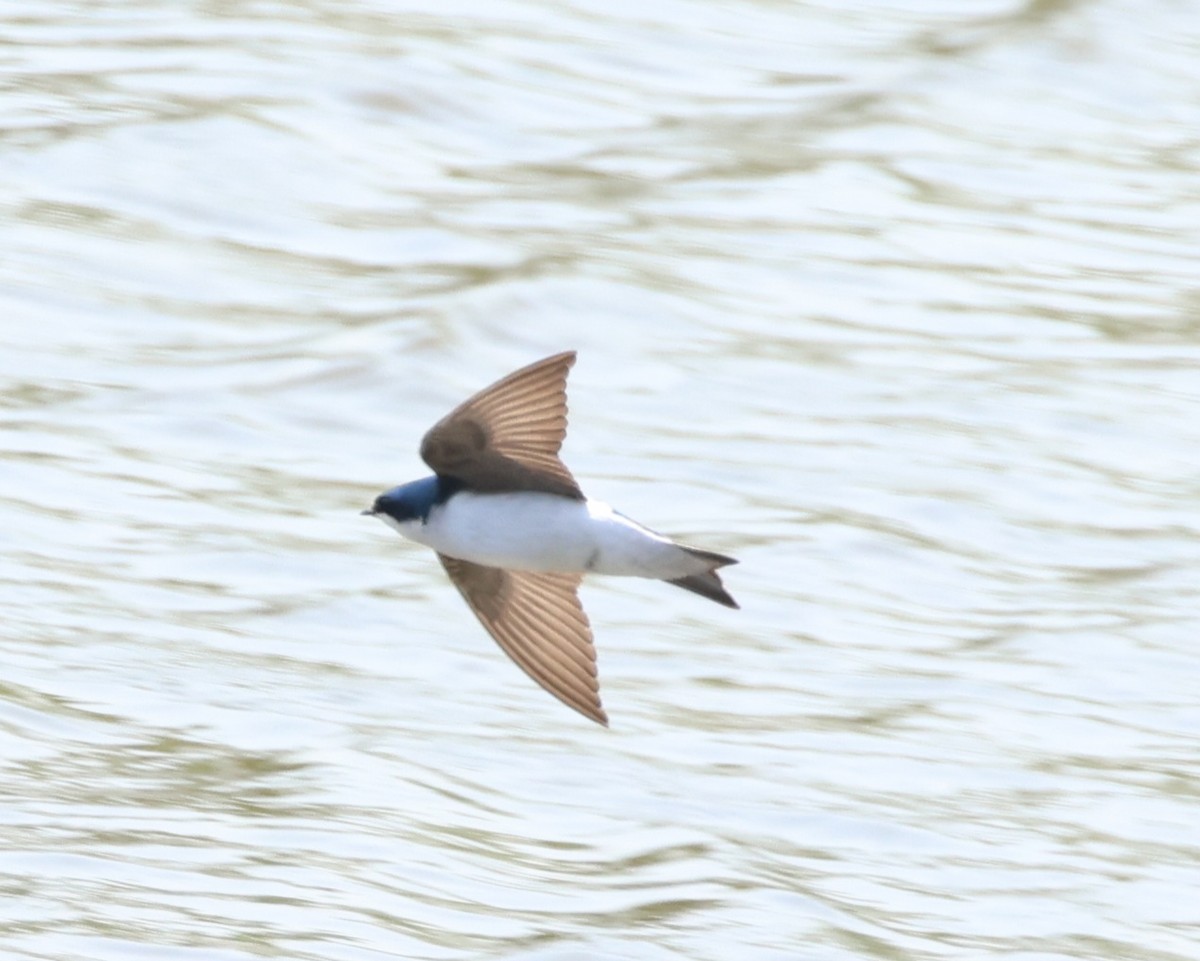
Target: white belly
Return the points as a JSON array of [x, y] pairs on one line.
[[544, 532]]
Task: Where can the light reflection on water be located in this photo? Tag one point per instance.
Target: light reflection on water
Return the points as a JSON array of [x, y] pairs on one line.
[[899, 309]]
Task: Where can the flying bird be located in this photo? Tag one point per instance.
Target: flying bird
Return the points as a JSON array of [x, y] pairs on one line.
[[516, 534]]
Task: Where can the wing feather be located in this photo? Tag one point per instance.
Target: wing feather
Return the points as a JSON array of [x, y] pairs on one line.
[[507, 437], [537, 620]]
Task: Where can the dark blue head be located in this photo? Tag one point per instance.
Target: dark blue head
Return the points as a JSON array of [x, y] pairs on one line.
[[412, 501]]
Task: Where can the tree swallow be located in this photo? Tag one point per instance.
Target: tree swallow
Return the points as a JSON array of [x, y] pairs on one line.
[[516, 534]]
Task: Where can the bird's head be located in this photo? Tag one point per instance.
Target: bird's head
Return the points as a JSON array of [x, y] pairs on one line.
[[408, 502]]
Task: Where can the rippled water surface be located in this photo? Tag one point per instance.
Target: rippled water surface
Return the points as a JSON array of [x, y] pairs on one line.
[[898, 303]]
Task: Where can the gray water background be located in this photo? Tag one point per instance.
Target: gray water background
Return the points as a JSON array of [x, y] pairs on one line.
[[899, 303]]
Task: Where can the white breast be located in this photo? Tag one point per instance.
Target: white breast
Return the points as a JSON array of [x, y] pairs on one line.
[[544, 532]]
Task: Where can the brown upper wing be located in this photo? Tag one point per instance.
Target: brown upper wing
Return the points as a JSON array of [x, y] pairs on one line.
[[538, 621], [507, 437]]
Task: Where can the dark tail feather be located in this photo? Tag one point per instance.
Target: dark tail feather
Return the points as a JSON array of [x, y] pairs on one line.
[[709, 583]]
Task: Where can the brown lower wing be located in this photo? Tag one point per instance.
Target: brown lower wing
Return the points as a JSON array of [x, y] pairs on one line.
[[538, 621]]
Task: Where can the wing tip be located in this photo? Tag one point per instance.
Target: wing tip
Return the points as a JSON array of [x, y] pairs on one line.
[[596, 714]]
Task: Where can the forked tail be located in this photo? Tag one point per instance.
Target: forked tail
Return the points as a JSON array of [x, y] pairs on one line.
[[709, 583]]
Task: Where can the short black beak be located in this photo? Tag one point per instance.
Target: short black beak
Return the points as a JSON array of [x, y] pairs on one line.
[[369, 512]]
